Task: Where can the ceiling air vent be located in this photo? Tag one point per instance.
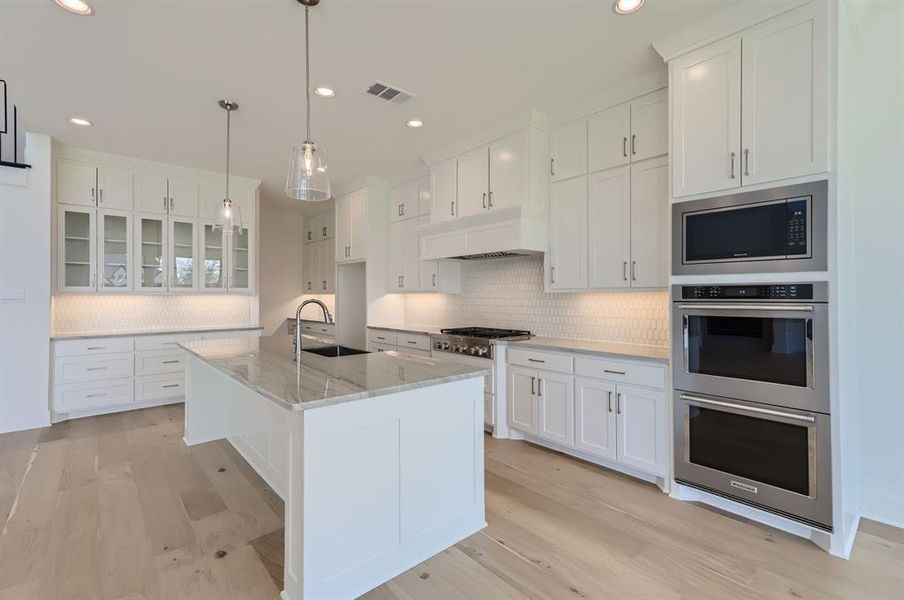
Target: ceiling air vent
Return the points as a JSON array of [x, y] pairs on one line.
[[389, 93]]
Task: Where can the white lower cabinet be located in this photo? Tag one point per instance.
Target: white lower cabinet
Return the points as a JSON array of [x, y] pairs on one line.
[[101, 375], [619, 423], [412, 344]]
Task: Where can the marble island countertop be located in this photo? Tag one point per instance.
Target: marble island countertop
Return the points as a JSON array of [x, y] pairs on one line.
[[266, 365], [144, 332], [614, 349]]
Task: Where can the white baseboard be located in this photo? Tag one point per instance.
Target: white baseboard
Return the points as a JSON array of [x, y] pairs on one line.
[[105, 410]]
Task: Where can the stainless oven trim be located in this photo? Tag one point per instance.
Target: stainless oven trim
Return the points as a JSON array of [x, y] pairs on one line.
[[817, 232], [814, 397], [693, 213], [815, 507]]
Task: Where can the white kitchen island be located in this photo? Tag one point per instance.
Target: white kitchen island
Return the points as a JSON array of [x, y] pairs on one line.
[[383, 454]]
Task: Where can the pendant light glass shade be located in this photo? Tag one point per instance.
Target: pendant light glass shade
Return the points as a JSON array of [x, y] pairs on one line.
[[229, 217], [308, 178]]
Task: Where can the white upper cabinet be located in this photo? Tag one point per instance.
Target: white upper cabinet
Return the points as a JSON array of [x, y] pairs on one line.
[[210, 199], [473, 182], [183, 197], [650, 218], [326, 226], [649, 126], [609, 138], [425, 196], [752, 109], [150, 251], [311, 266], [151, 193], [212, 253], [310, 226], [114, 250], [568, 150], [76, 182], [327, 267], [706, 119], [351, 226], [182, 255], [403, 269], [76, 249], [508, 171], [567, 258], [784, 97], [115, 188], [404, 201], [609, 221], [444, 190], [241, 260]]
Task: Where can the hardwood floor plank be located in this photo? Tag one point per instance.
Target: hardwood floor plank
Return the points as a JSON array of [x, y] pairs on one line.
[[164, 515], [74, 546], [38, 492], [241, 575]]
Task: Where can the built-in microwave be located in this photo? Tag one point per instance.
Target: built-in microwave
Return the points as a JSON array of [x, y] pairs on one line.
[[775, 230]]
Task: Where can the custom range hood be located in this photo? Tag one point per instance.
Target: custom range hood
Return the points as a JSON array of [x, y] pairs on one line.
[[506, 232]]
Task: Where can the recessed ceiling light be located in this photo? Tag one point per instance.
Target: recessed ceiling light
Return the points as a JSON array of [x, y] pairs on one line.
[[76, 7], [325, 92], [80, 122], [415, 123], [626, 7]]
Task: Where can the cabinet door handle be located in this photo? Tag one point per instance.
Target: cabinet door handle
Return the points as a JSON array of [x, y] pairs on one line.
[[624, 270], [552, 274], [403, 209], [100, 195], [324, 232], [171, 385], [633, 270], [309, 236], [633, 144], [614, 372], [624, 146], [732, 155], [747, 161], [403, 281], [380, 337], [170, 362], [539, 387], [172, 205], [411, 342], [434, 280], [552, 167], [610, 401], [92, 194], [532, 380], [618, 404], [164, 203], [536, 360], [452, 208], [324, 284], [484, 199], [491, 198]]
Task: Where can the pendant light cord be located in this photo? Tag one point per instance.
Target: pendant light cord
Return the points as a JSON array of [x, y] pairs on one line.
[[228, 119], [307, 74]]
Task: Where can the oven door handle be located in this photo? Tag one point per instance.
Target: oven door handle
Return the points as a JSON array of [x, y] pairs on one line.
[[762, 411], [772, 307]]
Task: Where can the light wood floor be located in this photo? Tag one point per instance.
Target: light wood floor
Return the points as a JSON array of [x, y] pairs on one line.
[[117, 507]]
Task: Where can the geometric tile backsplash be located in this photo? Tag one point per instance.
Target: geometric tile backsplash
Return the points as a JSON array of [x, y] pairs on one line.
[[508, 292], [97, 313]]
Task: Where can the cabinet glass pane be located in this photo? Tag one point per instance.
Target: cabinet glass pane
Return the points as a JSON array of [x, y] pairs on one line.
[[115, 251], [77, 258], [183, 255], [152, 269], [240, 246], [213, 257]]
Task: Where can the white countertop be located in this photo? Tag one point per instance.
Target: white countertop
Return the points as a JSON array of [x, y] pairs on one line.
[[267, 366], [612, 349], [107, 334], [416, 329]]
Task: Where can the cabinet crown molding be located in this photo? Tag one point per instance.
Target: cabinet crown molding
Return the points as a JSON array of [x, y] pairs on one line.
[[725, 23]]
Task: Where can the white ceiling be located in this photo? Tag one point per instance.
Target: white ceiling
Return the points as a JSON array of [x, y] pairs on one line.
[[149, 73]]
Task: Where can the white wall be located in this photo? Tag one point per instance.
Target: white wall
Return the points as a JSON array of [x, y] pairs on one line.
[[281, 265], [25, 291], [871, 245]]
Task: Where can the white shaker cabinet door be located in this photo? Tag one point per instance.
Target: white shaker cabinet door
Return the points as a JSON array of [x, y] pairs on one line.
[[642, 435], [394, 257], [151, 193], [357, 225], [77, 249], [473, 182], [184, 195], [114, 250], [706, 119], [650, 223], [568, 150], [444, 191], [115, 188], [555, 394], [568, 235], [76, 182], [522, 399], [609, 138], [649, 126], [609, 223], [784, 99], [508, 163], [594, 408], [327, 266]]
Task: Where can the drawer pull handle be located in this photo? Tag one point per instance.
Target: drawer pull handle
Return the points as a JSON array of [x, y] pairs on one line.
[[411, 342], [171, 385], [96, 395], [380, 337], [615, 372], [97, 368], [170, 362], [96, 348], [537, 360]]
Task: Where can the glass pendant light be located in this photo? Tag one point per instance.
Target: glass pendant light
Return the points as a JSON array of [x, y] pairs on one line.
[[229, 216], [308, 179]]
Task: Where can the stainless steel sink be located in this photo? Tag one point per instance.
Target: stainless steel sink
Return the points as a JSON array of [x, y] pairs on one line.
[[334, 351]]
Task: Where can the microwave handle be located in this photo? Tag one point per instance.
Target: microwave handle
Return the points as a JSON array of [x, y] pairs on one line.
[[785, 307], [762, 411]]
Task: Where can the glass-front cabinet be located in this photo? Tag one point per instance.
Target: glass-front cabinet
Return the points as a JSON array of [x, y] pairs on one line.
[[76, 250], [114, 250], [240, 275], [213, 254], [151, 273], [183, 255]]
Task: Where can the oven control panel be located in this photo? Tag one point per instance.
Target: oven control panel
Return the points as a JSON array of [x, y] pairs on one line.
[[782, 291]]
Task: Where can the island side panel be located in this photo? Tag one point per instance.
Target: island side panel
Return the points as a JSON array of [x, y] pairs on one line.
[[389, 482]]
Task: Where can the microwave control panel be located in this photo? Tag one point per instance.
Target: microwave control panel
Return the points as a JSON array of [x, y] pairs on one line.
[[784, 291], [798, 224]]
